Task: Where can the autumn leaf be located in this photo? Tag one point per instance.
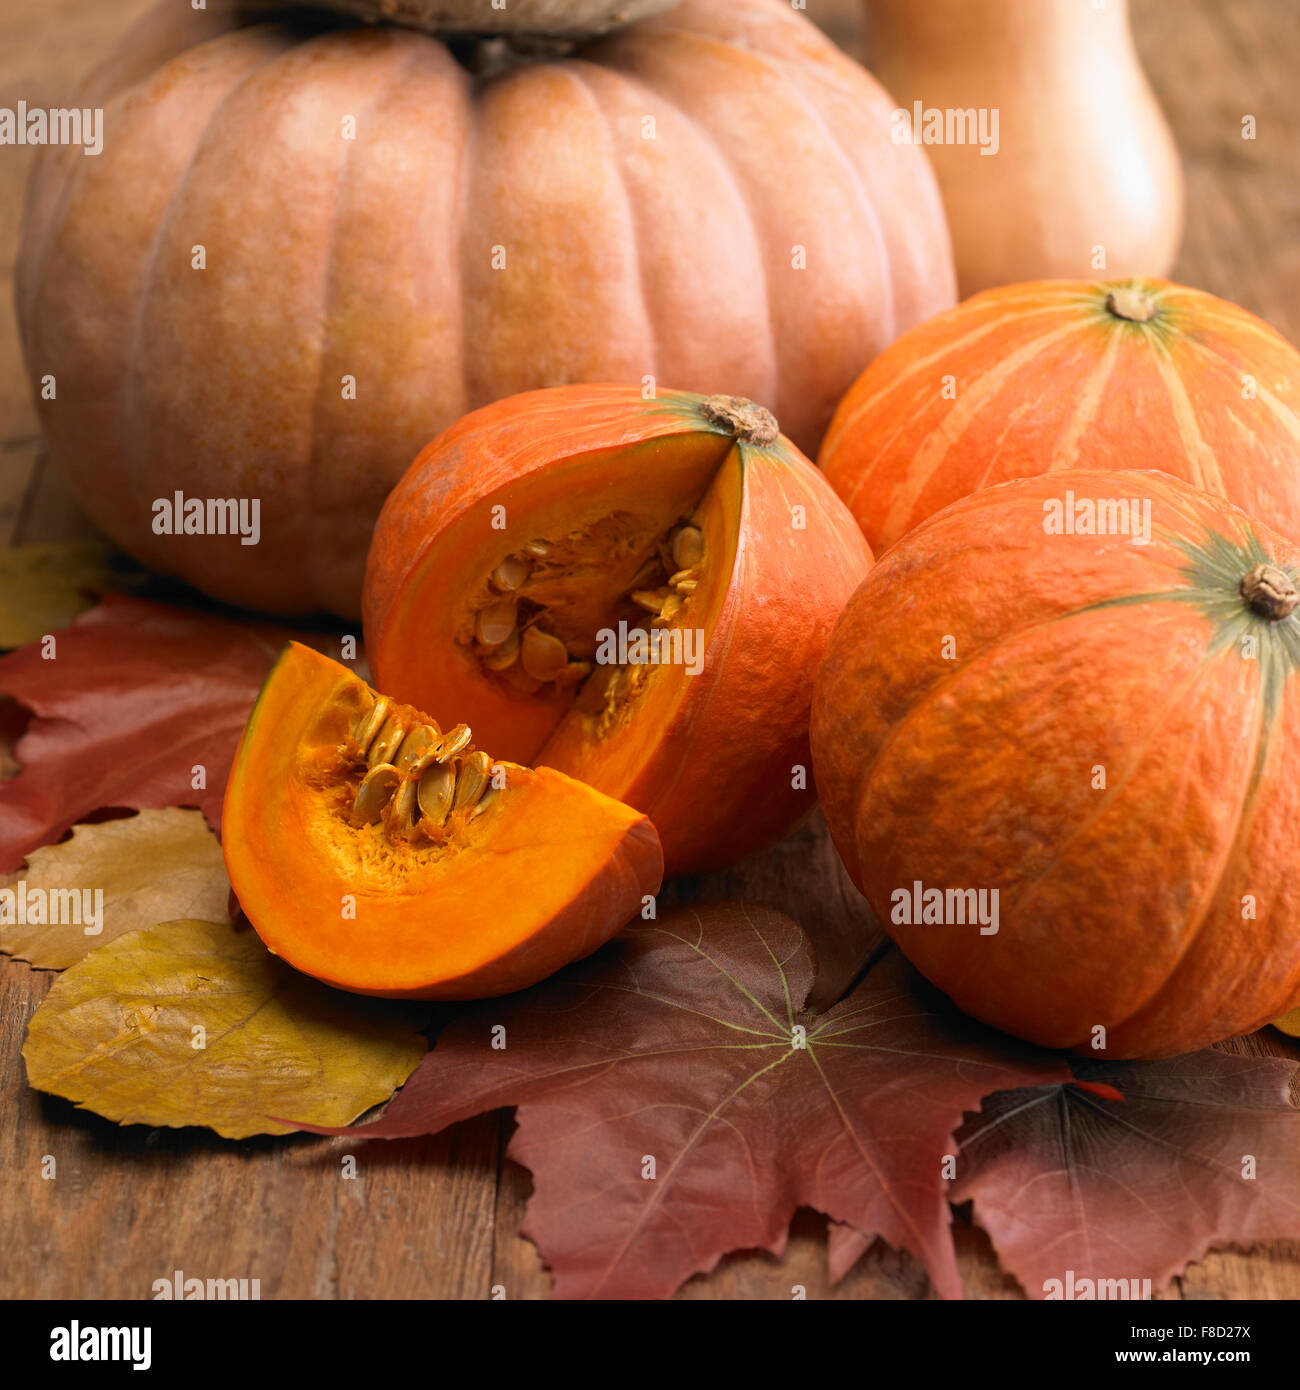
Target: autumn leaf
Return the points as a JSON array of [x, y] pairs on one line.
[[676, 1104], [1289, 1024], [135, 698], [43, 587], [1203, 1151], [196, 1023], [153, 867]]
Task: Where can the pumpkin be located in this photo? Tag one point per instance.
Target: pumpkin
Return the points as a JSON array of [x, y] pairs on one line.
[[1057, 739], [305, 251], [1054, 375], [636, 592], [1082, 178], [385, 856]]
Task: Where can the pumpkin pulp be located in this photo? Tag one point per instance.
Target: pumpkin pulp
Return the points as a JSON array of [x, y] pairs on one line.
[[377, 853], [593, 580]]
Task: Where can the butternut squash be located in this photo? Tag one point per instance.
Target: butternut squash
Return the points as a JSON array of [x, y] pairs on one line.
[[1082, 180]]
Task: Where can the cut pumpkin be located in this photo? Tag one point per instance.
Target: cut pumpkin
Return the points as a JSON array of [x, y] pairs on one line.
[[636, 592], [380, 854]]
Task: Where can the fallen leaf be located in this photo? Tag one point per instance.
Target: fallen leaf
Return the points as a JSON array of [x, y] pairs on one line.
[[136, 697], [682, 1046], [118, 1034], [1203, 1151], [1289, 1024], [43, 587], [153, 867]]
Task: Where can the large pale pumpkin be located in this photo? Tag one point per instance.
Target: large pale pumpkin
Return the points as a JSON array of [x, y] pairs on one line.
[[1064, 765], [303, 252], [1060, 374]]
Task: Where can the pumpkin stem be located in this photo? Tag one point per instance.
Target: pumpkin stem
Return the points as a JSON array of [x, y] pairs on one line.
[[741, 418], [1131, 303], [1270, 592]]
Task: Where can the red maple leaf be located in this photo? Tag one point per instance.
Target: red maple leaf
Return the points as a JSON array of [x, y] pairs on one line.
[[134, 697], [1071, 1185], [675, 1102]]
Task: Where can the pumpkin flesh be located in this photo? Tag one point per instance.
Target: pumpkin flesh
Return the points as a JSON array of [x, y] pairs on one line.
[[540, 872]]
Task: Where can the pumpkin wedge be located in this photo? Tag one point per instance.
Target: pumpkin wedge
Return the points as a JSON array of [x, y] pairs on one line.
[[384, 855], [1057, 739], [634, 591]]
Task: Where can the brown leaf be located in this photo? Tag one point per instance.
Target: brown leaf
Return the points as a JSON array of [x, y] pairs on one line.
[[684, 1043], [1202, 1151], [119, 1033], [1289, 1024], [153, 867], [136, 696]]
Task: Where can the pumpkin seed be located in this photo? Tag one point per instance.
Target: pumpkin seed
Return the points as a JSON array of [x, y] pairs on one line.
[[652, 600], [511, 573], [387, 744], [371, 723], [414, 745], [504, 655], [573, 674], [495, 623], [688, 547], [402, 816], [435, 791], [473, 780], [484, 801], [375, 792], [672, 606], [544, 656], [687, 587], [538, 549], [452, 742]]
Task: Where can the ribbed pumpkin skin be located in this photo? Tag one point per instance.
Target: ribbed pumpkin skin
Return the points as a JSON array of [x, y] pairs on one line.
[[1042, 377], [1165, 905], [380, 258]]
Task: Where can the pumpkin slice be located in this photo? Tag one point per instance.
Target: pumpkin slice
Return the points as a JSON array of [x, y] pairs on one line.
[[385, 855], [636, 592]]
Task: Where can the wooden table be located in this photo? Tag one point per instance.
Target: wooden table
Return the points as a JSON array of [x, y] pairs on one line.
[[439, 1217]]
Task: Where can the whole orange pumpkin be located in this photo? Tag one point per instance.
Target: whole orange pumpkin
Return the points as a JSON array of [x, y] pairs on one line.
[[1057, 739], [1058, 374], [304, 251]]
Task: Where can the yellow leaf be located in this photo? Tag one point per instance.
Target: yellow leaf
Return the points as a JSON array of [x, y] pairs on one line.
[[196, 1023], [1289, 1023], [43, 587], [109, 879]]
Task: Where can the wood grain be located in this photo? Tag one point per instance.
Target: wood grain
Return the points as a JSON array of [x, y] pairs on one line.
[[440, 1217]]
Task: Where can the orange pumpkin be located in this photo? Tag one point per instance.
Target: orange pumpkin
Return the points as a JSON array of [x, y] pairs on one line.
[[1059, 374], [1064, 767], [634, 591], [385, 856], [303, 251]]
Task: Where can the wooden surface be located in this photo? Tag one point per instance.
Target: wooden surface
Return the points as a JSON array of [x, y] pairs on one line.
[[440, 1217]]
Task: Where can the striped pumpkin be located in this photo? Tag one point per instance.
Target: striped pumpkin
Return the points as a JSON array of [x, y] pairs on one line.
[[1065, 374]]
